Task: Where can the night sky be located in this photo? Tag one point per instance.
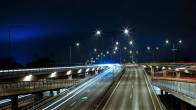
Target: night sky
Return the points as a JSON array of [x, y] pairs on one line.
[[46, 28]]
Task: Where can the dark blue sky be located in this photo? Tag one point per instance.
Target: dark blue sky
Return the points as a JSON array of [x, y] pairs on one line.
[[43, 28]]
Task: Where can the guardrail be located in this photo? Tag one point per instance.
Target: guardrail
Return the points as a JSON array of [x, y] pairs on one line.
[[31, 86], [42, 103], [102, 99], [186, 88]]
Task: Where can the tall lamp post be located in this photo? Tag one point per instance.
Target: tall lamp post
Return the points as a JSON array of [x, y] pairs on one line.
[[77, 44], [153, 50], [174, 48]]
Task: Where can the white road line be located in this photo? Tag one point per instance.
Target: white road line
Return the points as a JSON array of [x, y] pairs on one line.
[[149, 92], [131, 96], [111, 94], [73, 103], [154, 91], [76, 91]]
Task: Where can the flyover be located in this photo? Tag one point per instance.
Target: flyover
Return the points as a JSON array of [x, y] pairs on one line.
[[178, 79], [22, 81]]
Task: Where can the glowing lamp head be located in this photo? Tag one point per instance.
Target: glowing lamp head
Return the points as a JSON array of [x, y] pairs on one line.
[[180, 41], [69, 72], [77, 44], [148, 48], [52, 75], [95, 50], [117, 43], [115, 48], [131, 42], [79, 71], [126, 31], [167, 41], [130, 51], [98, 32]]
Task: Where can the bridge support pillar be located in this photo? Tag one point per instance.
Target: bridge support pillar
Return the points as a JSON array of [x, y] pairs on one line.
[[70, 77], [51, 93], [38, 96], [166, 93], [178, 74], [58, 91], [164, 73], [183, 105], [152, 71], [161, 92], [14, 102]]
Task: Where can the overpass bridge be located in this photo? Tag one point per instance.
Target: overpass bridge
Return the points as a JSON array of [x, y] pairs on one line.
[[184, 89], [14, 83], [111, 90], [178, 79], [94, 87]]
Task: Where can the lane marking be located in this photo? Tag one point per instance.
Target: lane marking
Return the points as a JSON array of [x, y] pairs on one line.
[[73, 103], [154, 91], [131, 96], [112, 94], [77, 91], [149, 92]]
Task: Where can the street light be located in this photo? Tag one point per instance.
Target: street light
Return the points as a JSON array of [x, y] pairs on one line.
[[174, 49], [77, 44], [130, 51], [115, 48], [131, 42], [95, 50], [98, 33], [148, 48], [117, 43], [153, 50], [167, 41], [126, 31], [137, 52], [125, 48], [157, 48], [107, 52], [180, 41]]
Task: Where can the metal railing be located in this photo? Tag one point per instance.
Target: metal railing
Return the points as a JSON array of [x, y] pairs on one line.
[[186, 88], [31, 86]]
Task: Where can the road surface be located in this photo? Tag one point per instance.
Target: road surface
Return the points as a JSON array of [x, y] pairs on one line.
[[82, 97], [132, 92]]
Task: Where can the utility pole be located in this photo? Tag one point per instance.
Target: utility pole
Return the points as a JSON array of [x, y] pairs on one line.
[[9, 44], [70, 55], [174, 52]]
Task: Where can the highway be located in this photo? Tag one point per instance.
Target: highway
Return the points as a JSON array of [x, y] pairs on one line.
[[133, 92], [84, 100], [82, 97]]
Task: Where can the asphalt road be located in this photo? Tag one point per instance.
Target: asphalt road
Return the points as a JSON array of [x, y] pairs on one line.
[[82, 97], [132, 92], [84, 100]]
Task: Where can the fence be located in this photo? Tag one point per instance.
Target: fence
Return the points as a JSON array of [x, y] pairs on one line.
[[186, 88]]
